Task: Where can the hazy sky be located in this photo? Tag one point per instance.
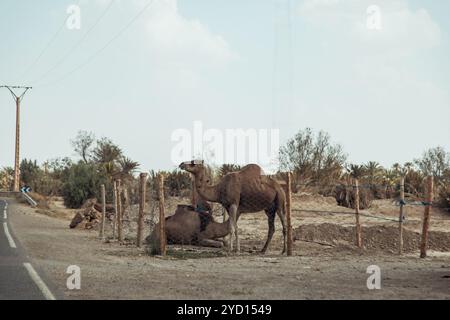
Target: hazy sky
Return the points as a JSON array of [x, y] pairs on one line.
[[383, 94]]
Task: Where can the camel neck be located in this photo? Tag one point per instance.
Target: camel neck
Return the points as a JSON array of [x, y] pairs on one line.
[[220, 230], [209, 193]]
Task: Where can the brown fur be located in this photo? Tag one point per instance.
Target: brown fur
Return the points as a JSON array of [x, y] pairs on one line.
[[189, 227], [244, 191]]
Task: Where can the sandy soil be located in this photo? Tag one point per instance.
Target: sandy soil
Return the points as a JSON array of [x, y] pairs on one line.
[[333, 269]]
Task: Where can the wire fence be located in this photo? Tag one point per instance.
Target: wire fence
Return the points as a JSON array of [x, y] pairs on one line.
[[397, 203], [187, 225], [200, 223], [346, 213], [369, 186]]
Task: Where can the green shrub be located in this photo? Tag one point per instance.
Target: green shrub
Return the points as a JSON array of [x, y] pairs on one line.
[[83, 183]]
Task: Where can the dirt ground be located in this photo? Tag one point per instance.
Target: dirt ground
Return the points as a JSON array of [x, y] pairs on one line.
[[325, 265]]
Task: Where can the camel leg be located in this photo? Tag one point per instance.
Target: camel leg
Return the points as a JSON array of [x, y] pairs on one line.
[[226, 242], [238, 242], [281, 211], [233, 234], [271, 221], [227, 238], [210, 243]]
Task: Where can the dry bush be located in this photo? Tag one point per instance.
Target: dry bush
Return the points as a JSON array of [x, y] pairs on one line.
[[345, 197], [444, 196], [176, 183], [43, 202], [312, 158]]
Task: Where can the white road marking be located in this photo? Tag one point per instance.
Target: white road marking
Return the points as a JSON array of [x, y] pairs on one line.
[[12, 244], [39, 282], [33, 274]]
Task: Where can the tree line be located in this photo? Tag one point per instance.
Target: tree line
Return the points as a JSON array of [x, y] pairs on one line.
[[317, 164]]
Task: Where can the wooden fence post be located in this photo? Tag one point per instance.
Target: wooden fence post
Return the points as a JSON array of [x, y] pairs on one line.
[[119, 212], [142, 190], [426, 218], [162, 216], [102, 227], [358, 225], [288, 213], [401, 216], [115, 210], [225, 219], [194, 197]]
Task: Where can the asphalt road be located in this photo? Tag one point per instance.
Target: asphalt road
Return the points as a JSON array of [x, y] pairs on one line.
[[19, 280]]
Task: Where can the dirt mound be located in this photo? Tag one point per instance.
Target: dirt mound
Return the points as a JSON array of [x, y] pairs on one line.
[[306, 198], [383, 238], [43, 202]]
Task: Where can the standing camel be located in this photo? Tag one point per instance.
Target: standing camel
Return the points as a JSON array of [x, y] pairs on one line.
[[245, 191]]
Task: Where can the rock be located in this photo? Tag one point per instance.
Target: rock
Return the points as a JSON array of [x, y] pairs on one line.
[[109, 208], [87, 218], [76, 220]]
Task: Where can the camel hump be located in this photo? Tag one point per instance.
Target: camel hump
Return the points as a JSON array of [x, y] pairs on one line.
[[184, 208], [205, 217], [253, 170]]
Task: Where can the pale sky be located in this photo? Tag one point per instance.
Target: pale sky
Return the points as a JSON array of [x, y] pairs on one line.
[[383, 94]]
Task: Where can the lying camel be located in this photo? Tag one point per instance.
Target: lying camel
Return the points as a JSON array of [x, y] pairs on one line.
[[190, 227]]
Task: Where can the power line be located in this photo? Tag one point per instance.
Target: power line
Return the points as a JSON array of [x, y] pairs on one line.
[[92, 57], [18, 99], [14, 94], [77, 44], [46, 47]]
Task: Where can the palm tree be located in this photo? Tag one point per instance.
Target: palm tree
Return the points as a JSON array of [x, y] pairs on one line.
[[408, 166], [107, 155], [128, 166], [389, 179], [373, 171], [396, 167], [123, 169], [356, 171], [106, 152], [227, 168], [6, 178]]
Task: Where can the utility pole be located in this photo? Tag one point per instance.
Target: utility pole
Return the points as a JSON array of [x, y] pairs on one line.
[[18, 99]]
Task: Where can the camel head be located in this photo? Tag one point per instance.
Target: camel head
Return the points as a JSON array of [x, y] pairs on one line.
[[198, 169], [193, 166]]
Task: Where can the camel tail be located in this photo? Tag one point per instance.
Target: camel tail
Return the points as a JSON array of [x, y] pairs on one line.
[[153, 243]]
